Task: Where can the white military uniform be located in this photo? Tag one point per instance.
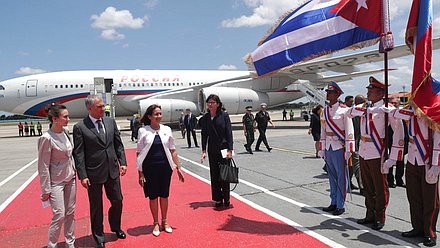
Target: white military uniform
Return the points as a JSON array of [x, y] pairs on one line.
[[422, 185], [339, 116], [370, 152], [337, 133]]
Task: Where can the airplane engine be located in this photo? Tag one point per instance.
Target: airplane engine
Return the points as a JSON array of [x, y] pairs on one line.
[[171, 108], [235, 100]]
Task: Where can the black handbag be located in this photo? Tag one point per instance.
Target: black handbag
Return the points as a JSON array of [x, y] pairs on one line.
[[228, 172]]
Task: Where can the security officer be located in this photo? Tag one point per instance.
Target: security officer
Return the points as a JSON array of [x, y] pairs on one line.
[[371, 151], [107, 110], [262, 118], [422, 170], [336, 146], [248, 128]]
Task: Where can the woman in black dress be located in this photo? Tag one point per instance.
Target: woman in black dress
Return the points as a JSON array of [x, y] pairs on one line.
[[217, 135], [156, 159], [315, 127]]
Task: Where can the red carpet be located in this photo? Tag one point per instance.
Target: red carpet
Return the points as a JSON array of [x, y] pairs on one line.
[[24, 223]]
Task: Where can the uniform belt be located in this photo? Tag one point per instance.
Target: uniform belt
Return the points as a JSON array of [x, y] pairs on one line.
[[411, 140], [366, 139], [330, 134]]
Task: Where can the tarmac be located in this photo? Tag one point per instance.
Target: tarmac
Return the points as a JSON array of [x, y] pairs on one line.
[[278, 201]]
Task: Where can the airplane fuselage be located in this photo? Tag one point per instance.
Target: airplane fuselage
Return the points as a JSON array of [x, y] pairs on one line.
[[30, 95]]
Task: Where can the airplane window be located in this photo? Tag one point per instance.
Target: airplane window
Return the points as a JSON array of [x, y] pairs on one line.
[[56, 86], [61, 86], [82, 86], [189, 84], [156, 84], [151, 84], [67, 86], [139, 85], [143, 85], [71, 86], [174, 84], [2, 88], [76, 86]]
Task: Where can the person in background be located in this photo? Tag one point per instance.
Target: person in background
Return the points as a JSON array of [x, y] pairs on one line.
[[249, 129], [56, 170], [156, 159], [336, 146], [284, 114], [132, 129], [190, 122], [400, 165], [136, 125], [217, 136], [39, 128], [349, 100], [261, 119], [182, 124], [359, 100], [291, 114], [107, 110], [20, 129], [315, 127], [32, 128], [376, 190], [26, 128], [100, 161]]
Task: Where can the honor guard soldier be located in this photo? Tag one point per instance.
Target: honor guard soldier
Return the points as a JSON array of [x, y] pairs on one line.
[[371, 151], [336, 146], [249, 129], [422, 172]]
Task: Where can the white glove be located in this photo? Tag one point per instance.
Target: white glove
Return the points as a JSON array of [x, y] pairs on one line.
[[389, 163], [347, 155], [383, 169], [432, 174], [321, 153]]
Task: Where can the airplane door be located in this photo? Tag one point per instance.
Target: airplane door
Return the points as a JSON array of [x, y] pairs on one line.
[[31, 88]]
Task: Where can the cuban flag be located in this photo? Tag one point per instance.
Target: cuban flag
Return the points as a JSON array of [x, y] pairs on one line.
[[317, 28], [425, 97]]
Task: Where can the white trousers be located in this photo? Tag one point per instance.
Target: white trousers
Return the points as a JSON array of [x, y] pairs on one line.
[[62, 200]]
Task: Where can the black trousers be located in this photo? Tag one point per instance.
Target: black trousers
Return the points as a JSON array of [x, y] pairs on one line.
[[219, 190], [249, 138], [188, 137], [262, 137], [114, 194], [400, 168]]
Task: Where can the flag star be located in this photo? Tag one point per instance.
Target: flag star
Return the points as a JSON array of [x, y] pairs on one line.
[[361, 3]]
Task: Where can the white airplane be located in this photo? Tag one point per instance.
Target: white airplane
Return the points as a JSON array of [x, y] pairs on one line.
[[176, 90]]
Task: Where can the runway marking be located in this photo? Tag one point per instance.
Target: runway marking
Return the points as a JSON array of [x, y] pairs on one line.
[[17, 172], [17, 192], [293, 151], [265, 210], [302, 205]]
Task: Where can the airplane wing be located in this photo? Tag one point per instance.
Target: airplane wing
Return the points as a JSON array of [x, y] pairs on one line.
[[173, 93], [347, 63]]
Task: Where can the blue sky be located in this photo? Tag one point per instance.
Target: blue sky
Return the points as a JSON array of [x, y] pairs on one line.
[[42, 36]]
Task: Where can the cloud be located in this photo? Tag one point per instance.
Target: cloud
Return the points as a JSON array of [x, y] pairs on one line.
[[227, 67], [436, 27], [265, 12], [29, 71], [22, 53], [111, 34], [151, 3], [112, 19]]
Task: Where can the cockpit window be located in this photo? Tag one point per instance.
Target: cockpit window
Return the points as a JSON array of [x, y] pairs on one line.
[[2, 88]]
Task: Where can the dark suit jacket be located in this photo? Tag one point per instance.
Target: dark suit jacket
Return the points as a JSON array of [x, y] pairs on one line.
[[190, 121], [94, 158], [217, 133]]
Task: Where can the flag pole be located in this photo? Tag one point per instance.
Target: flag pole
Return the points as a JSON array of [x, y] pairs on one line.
[[386, 44]]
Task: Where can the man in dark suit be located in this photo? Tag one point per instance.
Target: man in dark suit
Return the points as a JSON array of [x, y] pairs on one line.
[[98, 148], [190, 123]]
